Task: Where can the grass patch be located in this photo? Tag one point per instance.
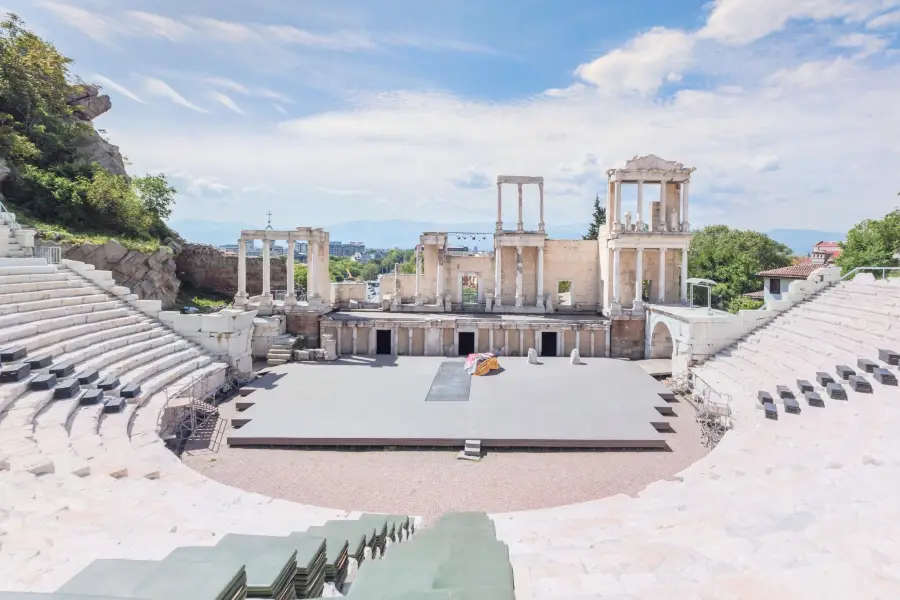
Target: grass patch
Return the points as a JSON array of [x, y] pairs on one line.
[[204, 302]]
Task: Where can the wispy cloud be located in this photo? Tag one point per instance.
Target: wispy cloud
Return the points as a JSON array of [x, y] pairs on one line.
[[109, 84], [160, 26], [226, 31], [226, 102], [227, 84], [158, 87], [280, 109], [97, 27], [274, 96], [891, 19], [288, 34]]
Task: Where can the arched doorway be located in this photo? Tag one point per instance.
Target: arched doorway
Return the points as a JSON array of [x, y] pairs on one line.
[[661, 345]]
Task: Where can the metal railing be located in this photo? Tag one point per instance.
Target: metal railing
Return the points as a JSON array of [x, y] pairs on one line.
[[883, 270], [12, 223], [53, 254], [713, 412], [280, 295]]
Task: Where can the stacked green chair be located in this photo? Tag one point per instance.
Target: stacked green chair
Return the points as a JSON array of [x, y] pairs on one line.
[[337, 557], [159, 580], [270, 574], [309, 578]]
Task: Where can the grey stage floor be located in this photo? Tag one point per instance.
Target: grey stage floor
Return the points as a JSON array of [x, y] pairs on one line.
[[397, 400]]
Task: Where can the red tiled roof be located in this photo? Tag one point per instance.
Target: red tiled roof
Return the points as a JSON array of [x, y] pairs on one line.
[[829, 244], [760, 295], [801, 271]]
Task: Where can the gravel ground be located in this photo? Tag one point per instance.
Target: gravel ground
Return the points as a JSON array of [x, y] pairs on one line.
[[429, 483]]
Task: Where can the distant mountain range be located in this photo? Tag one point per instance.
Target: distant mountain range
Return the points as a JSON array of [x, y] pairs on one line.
[[801, 241], [405, 234]]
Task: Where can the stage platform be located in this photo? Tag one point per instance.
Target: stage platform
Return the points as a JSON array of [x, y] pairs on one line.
[[432, 402]]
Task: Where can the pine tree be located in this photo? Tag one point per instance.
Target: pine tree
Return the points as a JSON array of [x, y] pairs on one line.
[[598, 220]]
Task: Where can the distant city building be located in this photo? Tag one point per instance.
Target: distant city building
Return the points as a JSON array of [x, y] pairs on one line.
[[826, 252], [345, 249], [458, 251]]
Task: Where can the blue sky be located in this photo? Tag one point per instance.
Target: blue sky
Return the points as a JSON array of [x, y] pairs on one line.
[[334, 111]]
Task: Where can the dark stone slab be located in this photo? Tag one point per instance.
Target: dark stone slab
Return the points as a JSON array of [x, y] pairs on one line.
[[764, 397], [67, 388], [89, 376], [62, 369], [824, 378], [132, 390], [114, 404], [791, 406], [860, 384], [804, 386], [108, 383], [836, 391], [814, 399], [889, 356], [451, 383], [844, 372], [867, 365], [39, 362], [770, 410], [43, 382], [885, 377], [12, 353], [93, 396], [784, 392], [13, 373]]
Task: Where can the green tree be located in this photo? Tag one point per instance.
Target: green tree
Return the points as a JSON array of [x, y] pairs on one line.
[[300, 274], [369, 271], [871, 243], [732, 258], [598, 219], [156, 194]]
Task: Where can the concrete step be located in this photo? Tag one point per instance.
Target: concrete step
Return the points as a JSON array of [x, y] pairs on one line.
[[43, 295], [22, 262], [110, 352], [149, 352], [146, 371], [18, 332], [18, 308], [75, 334], [32, 278], [43, 314], [33, 286], [27, 269]]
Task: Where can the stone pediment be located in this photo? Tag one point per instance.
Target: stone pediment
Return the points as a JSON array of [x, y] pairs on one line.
[[651, 162]]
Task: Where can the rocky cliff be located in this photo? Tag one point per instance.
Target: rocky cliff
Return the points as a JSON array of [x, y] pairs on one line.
[[210, 270], [150, 276], [92, 147]]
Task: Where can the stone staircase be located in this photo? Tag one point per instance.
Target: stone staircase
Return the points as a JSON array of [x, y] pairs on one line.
[[281, 351], [10, 245]]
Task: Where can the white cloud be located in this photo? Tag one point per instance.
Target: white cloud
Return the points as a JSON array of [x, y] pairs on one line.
[[225, 31], [866, 43], [226, 102], [473, 179], [280, 109], [160, 26], [745, 21], [157, 87], [339, 41], [643, 63], [228, 84], [110, 85], [885, 21], [97, 27], [271, 95]]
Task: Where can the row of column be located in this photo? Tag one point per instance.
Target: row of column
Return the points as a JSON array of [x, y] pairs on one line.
[[520, 294], [290, 298], [520, 225], [616, 217], [639, 276]]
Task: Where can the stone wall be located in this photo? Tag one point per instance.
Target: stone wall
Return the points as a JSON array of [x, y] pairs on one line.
[[306, 324], [150, 276], [208, 269], [627, 338]]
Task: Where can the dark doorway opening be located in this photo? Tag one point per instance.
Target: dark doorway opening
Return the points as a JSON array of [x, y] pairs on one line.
[[466, 343], [548, 343], [383, 341]]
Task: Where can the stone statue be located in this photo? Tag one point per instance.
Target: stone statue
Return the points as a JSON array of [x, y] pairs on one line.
[[532, 356], [627, 220], [575, 357]]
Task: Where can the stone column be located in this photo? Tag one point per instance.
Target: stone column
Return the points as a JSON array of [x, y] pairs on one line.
[[639, 278], [338, 340], [541, 223], [684, 274], [615, 275], [373, 337], [353, 349], [685, 223], [491, 339], [410, 332], [439, 285], [267, 272], [499, 206], [592, 343], [611, 216], [519, 297], [418, 268], [619, 202], [663, 214], [310, 269], [498, 274], [540, 278], [578, 340], [661, 293], [506, 342], [538, 342], [290, 297], [608, 349], [395, 340], [240, 298], [523, 351], [559, 342], [640, 206], [520, 225]]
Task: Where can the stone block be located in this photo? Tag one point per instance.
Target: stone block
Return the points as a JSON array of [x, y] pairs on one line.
[[858, 383], [889, 356], [94, 396], [575, 357], [43, 382], [885, 377], [784, 392], [39, 362], [813, 399], [844, 372], [132, 390], [824, 378], [804, 386], [791, 405], [62, 369], [770, 410], [108, 383], [836, 391], [532, 356], [114, 405], [88, 376], [764, 397], [866, 365], [13, 373], [12, 353], [67, 388], [301, 354]]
